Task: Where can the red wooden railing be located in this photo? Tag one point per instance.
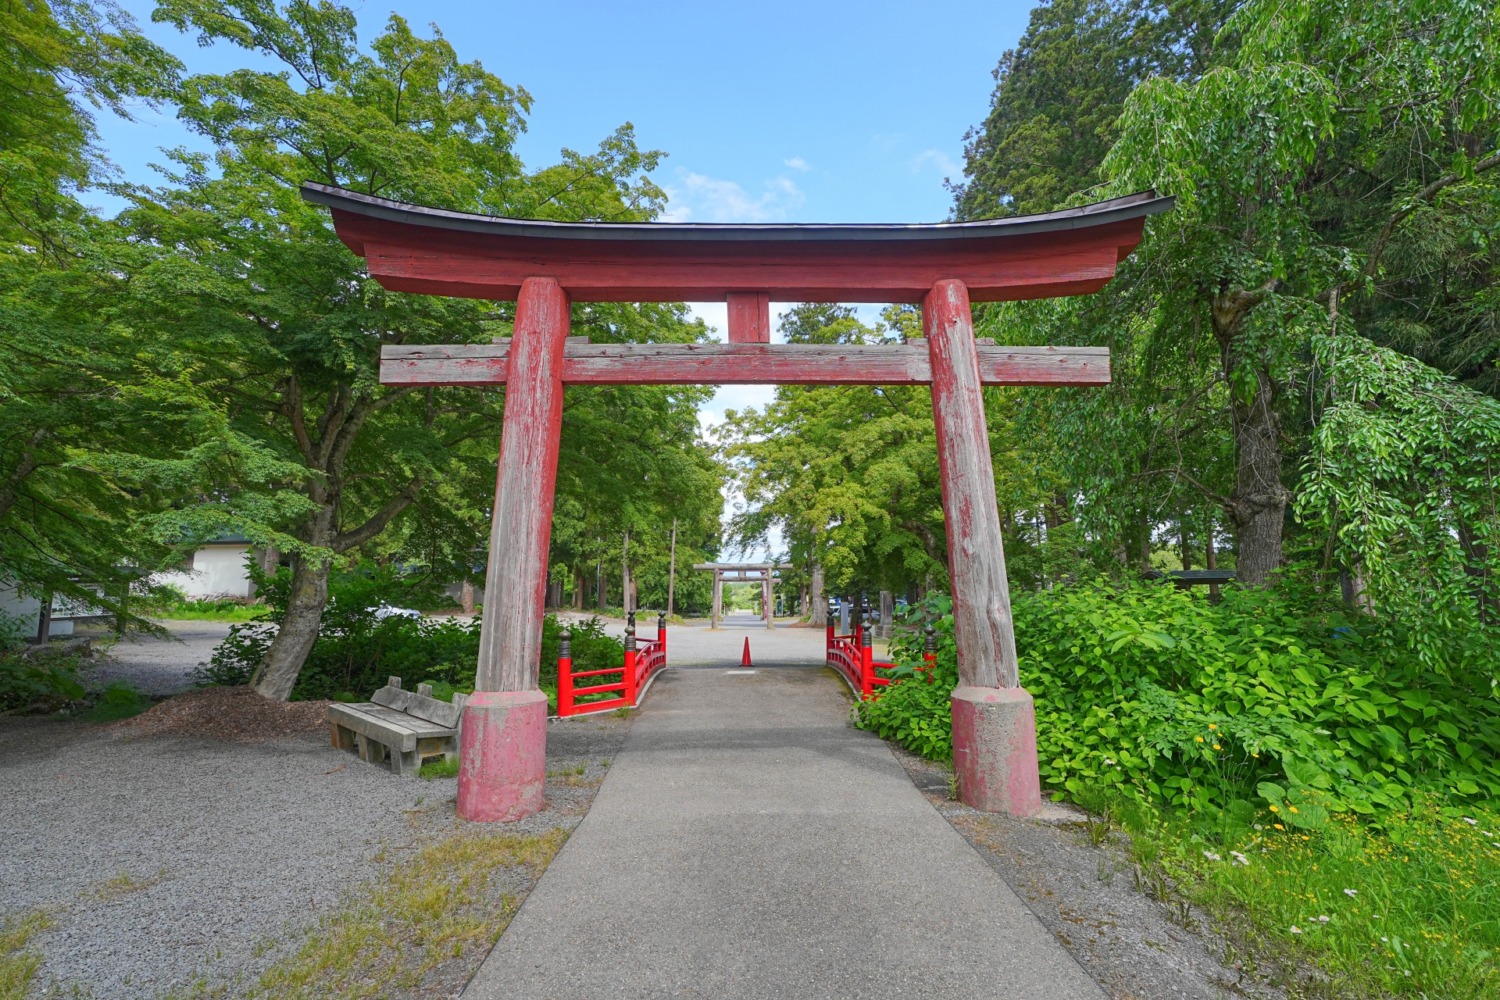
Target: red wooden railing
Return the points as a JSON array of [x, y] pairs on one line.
[[853, 655], [643, 661]]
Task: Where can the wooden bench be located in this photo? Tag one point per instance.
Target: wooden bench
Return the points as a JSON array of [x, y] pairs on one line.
[[403, 727]]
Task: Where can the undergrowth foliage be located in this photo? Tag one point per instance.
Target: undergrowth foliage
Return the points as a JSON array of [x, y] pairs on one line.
[[357, 650], [1263, 701]]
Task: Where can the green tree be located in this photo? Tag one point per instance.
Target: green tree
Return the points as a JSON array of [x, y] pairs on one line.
[[849, 474], [1299, 167], [257, 284], [1059, 92], [76, 385]]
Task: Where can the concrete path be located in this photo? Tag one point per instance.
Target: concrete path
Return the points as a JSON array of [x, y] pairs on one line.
[[747, 843]]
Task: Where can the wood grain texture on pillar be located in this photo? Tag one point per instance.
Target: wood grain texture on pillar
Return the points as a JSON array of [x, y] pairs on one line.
[[982, 623], [510, 642]]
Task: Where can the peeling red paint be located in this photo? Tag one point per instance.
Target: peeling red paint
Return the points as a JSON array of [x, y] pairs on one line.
[[502, 756]]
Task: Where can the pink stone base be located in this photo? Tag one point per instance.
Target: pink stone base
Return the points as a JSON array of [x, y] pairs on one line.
[[502, 756], [994, 750]]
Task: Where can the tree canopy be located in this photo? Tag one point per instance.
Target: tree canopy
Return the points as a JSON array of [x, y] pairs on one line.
[[248, 336], [1304, 348]]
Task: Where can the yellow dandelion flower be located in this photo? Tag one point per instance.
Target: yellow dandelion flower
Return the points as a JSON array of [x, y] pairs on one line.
[[1291, 808], [1212, 726], [1198, 739], [1255, 755], [1217, 747], [1276, 809], [1278, 826]]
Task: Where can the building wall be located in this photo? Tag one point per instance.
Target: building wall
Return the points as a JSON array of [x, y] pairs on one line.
[[218, 570], [14, 605]]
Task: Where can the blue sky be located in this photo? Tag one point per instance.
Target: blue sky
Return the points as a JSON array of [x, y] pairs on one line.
[[769, 112]]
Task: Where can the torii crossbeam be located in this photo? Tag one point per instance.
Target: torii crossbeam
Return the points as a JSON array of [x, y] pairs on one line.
[[545, 265]]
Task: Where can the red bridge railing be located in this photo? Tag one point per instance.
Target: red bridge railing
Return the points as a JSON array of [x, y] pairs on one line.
[[643, 660], [853, 655]]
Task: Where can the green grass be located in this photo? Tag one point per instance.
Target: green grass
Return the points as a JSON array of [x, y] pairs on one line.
[[1408, 908], [447, 767], [428, 909], [18, 962], [210, 611]]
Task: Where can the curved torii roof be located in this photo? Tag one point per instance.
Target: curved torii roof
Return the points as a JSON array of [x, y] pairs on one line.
[[412, 248]]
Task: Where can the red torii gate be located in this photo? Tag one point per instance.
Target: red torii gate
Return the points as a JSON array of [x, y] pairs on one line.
[[545, 265]]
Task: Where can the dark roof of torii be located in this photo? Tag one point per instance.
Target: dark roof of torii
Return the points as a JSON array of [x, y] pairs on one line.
[[419, 249]]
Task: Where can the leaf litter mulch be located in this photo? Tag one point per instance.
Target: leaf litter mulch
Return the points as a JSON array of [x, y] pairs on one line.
[[236, 714]]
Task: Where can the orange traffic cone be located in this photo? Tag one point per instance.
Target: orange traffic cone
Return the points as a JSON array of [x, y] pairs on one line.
[[745, 656]]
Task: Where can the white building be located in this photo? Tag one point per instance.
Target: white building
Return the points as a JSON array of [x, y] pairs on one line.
[[18, 607], [219, 569]]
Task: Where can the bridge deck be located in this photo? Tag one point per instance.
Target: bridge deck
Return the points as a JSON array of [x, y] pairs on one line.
[[747, 843]]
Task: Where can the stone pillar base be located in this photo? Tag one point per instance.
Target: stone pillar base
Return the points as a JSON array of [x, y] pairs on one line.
[[994, 750], [502, 758]]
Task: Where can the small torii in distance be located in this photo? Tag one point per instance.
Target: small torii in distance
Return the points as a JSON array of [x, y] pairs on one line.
[[761, 573], [544, 266]]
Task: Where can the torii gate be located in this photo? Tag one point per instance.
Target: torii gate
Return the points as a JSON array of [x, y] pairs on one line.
[[545, 265], [761, 573]]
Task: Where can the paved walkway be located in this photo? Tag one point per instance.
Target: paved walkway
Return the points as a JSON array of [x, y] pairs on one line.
[[747, 843]]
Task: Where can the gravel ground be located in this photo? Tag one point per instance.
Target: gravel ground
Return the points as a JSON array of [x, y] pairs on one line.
[[164, 860], [158, 667], [1086, 896]]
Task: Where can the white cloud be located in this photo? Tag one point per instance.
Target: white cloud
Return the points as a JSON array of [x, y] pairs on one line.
[[936, 159], [798, 163], [699, 198]]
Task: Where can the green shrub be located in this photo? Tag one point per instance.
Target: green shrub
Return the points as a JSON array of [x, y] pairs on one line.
[[38, 684], [1265, 698], [355, 653], [119, 700], [43, 681]]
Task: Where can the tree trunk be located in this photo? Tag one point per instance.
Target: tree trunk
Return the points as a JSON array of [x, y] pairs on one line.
[[625, 580], [887, 613], [1356, 590], [1258, 505], [1184, 543], [672, 572], [466, 597], [1211, 561], [819, 598], [277, 673], [579, 586]]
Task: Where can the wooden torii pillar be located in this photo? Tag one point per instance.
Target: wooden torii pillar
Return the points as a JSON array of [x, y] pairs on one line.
[[544, 266]]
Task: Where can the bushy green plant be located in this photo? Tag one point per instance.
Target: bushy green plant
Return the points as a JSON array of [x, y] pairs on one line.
[[43, 682], [119, 700], [355, 656], [1264, 698], [38, 684]]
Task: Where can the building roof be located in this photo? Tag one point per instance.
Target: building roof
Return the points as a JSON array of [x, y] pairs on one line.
[[416, 248]]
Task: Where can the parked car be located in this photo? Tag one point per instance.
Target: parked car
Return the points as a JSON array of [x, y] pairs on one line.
[[383, 611]]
